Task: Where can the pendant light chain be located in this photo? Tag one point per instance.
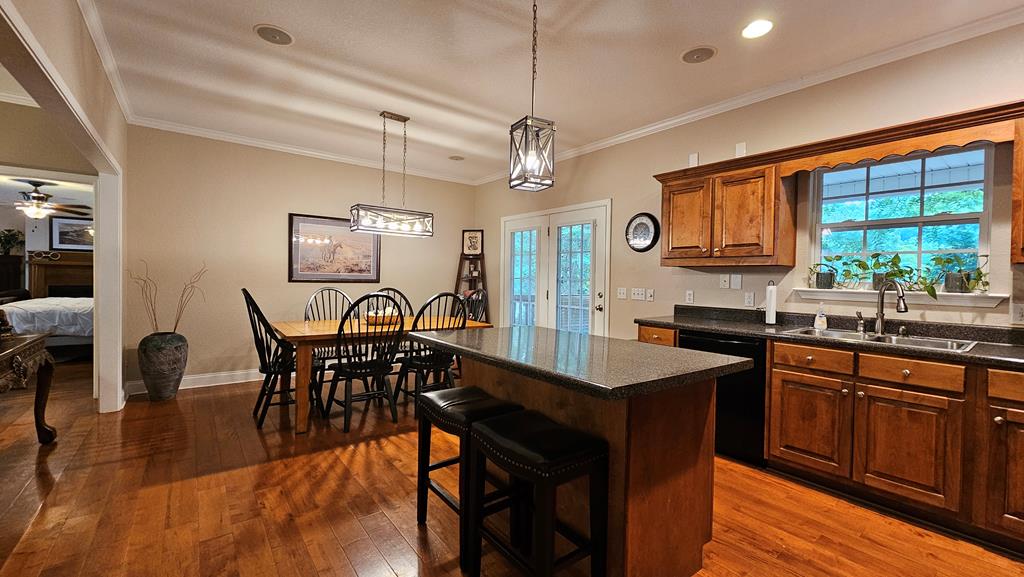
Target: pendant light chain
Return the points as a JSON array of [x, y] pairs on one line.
[[533, 81], [405, 152], [384, 161]]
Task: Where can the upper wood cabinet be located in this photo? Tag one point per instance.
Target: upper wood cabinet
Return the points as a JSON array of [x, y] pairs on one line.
[[743, 217]]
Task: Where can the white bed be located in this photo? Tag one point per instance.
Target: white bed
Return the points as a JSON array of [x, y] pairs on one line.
[[67, 320]]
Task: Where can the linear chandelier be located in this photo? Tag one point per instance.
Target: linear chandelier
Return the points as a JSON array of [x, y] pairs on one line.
[[382, 219], [532, 147]]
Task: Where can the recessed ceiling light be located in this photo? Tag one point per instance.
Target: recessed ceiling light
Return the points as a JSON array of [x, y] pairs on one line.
[[456, 157], [757, 28], [273, 34], [698, 54]]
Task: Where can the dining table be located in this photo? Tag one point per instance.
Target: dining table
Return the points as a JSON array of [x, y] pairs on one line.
[[306, 336]]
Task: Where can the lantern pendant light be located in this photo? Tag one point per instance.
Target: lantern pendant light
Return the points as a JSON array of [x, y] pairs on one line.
[[532, 146], [383, 219]]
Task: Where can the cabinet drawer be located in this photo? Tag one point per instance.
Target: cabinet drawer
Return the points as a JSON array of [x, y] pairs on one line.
[[938, 376], [814, 358], [657, 336], [1006, 385]]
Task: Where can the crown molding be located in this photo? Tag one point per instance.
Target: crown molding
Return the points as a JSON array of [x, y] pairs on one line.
[[928, 43], [279, 147], [94, 24], [14, 98]]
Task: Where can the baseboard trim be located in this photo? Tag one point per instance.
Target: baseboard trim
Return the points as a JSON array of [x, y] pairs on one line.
[[201, 380]]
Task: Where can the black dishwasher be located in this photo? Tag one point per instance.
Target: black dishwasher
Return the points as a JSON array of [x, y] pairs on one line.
[[740, 397]]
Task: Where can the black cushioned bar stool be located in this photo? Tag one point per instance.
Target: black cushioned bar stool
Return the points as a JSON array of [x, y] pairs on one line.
[[453, 411], [536, 450]]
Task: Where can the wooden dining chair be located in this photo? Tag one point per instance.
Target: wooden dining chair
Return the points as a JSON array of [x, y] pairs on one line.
[[366, 353], [444, 311], [327, 303], [403, 301], [277, 361], [476, 305]]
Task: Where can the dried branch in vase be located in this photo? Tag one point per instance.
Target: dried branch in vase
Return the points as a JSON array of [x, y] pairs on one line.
[[149, 290], [187, 292]]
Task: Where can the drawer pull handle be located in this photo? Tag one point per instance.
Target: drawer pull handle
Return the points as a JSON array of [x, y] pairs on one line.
[[845, 392], [810, 358], [703, 249], [655, 337], [999, 420], [906, 373], [860, 394]]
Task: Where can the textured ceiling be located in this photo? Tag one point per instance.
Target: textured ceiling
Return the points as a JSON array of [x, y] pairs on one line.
[[461, 68]]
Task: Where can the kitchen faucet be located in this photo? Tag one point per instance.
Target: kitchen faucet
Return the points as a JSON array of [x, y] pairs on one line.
[[901, 303]]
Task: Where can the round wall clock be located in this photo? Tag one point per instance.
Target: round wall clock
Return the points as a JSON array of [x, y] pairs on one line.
[[642, 232]]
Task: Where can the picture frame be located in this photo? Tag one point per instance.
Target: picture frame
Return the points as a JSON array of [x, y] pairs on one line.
[[472, 242], [323, 249], [71, 234]]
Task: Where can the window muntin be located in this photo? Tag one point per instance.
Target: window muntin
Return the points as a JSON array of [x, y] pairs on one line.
[[917, 206]]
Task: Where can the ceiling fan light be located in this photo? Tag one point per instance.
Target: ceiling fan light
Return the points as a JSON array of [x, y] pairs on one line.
[[35, 212]]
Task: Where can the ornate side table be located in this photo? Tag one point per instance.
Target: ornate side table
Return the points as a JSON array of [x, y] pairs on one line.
[[21, 356]]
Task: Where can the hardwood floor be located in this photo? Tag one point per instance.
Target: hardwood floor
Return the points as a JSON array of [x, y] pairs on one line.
[[190, 488]]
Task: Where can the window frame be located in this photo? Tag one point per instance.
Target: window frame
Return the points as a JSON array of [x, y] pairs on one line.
[[984, 218]]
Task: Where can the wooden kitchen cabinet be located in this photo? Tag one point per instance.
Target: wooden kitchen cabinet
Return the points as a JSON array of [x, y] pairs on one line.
[[656, 335], [744, 217], [811, 421], [909, 444], [1005, 480]]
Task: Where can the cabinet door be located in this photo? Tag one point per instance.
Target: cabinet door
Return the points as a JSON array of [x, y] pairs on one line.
[[744, 210], [811, 421], [908, 444], [1005, 483], [686, 217]]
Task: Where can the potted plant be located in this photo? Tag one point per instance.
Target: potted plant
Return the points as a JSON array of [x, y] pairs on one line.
[[957, 277], [824, 273], [882, 268], [11, 239], [163, 355]]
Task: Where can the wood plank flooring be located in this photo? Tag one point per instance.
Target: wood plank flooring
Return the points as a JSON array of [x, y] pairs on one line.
[[190, 488]]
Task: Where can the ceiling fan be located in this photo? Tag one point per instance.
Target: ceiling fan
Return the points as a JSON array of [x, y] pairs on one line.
[[36, 204]]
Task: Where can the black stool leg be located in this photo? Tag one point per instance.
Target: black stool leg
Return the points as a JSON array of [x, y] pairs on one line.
[[519, 517], [472, 509], [599, 520], [423, 470], [543, 554]]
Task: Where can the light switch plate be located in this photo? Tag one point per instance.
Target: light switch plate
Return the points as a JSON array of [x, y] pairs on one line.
[[650, 295], [694, 159], [748, 299], [637, 294], [723, 281], [736, 281], [741, 149], [689, 297], [620, 293]]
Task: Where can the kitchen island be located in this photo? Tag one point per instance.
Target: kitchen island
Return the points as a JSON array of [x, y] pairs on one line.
[[655, 407]]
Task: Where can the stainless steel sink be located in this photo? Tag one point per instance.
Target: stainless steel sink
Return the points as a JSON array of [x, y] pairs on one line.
[[953, 345]]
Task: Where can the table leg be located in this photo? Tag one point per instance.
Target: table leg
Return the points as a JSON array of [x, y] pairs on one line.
[[44, 378], [303, 370]]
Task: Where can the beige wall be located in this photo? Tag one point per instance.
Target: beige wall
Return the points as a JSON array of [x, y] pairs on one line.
[[972, 74], [32, 140], [196, 200]]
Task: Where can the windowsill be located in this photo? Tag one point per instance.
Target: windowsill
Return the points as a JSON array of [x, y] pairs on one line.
[[977, 300]]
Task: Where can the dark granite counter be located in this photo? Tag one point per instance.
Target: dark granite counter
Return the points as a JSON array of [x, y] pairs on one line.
[[997, 346], [597, 366]]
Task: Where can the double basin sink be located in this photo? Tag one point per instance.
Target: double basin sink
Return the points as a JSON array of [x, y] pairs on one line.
[[953, 345]]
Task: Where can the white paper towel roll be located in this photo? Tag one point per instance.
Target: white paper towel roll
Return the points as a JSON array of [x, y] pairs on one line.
[[770, 304]]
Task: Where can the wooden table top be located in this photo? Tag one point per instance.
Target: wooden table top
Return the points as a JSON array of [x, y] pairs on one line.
[[298, 331]]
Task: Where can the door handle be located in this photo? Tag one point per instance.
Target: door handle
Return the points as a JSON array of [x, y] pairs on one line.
[[599, 308]]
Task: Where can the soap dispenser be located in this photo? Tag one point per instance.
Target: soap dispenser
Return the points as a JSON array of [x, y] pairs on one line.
[[820, 320]]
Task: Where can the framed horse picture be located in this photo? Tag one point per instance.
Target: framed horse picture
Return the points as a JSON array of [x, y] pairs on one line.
[[323, 249]]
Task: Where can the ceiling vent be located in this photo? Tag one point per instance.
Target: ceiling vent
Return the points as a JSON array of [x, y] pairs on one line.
[[273, 34], [698, 55]]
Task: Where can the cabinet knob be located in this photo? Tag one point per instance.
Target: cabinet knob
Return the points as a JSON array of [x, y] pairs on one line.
[[860, 394], [656, 337], [703, 249], [810, 358], [717, 250], [845, 392], [906, 373], [999, 420]]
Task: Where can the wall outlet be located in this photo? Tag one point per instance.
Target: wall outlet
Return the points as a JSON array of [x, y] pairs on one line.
[[723, 281], [736, 281], [650, 295], [694, 159], [620, 293], [1017, 313], [637, 294], [748, 299], [689, 297], [741, 149]]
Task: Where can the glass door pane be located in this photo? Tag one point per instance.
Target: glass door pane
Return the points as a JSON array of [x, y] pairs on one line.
[[523, 276], [575, 274]]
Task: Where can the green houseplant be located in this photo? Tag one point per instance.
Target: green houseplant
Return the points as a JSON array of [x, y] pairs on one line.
[[824, 273], [957, 276], [11, 239], [881, 268]]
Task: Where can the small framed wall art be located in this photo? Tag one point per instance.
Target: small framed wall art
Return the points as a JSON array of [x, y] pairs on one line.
[[473, 242]]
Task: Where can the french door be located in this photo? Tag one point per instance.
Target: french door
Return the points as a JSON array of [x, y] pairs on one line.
[[555, 269]]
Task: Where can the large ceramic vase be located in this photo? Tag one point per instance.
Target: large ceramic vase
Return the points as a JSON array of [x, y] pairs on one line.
[[162, 359]]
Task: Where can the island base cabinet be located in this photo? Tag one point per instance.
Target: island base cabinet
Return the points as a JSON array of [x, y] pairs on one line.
[[909, 444], [1005, 484], [811, 420]]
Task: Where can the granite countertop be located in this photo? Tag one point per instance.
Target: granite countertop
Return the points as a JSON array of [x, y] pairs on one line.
[[598, 366], [997, 347]]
